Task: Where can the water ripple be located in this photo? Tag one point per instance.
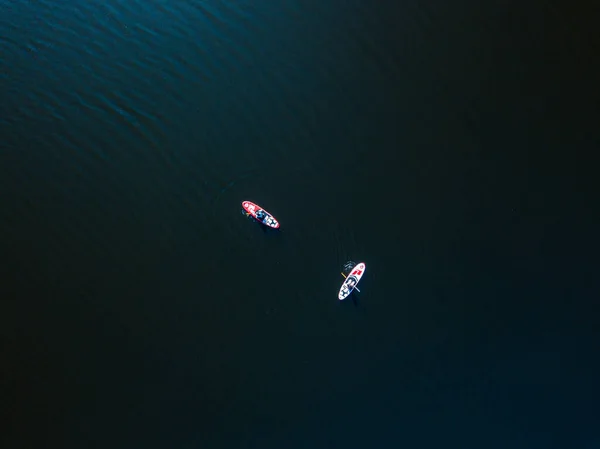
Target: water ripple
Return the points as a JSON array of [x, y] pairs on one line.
[[166, 103]]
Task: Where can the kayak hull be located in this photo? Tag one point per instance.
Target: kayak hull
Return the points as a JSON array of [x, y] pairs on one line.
[[252, 208], [351, 281]]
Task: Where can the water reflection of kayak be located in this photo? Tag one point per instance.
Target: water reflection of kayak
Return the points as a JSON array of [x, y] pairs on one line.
[[260, 214], [351, 281]]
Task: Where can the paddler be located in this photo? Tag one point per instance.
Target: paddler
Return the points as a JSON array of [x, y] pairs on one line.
[[261, 215]]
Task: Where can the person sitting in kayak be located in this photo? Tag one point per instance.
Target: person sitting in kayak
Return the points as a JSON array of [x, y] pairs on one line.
[[261, 215], [351, 283]]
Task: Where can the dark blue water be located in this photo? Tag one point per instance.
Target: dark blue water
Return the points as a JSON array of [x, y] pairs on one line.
[[448, 146]]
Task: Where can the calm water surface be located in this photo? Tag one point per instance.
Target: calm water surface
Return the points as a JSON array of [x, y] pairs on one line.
[[443, 144]]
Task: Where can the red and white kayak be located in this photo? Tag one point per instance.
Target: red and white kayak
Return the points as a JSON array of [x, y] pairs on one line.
[[351, 281], [254, 209]]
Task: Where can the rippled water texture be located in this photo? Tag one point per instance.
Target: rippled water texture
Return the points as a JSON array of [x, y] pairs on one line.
[[435, 141]]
